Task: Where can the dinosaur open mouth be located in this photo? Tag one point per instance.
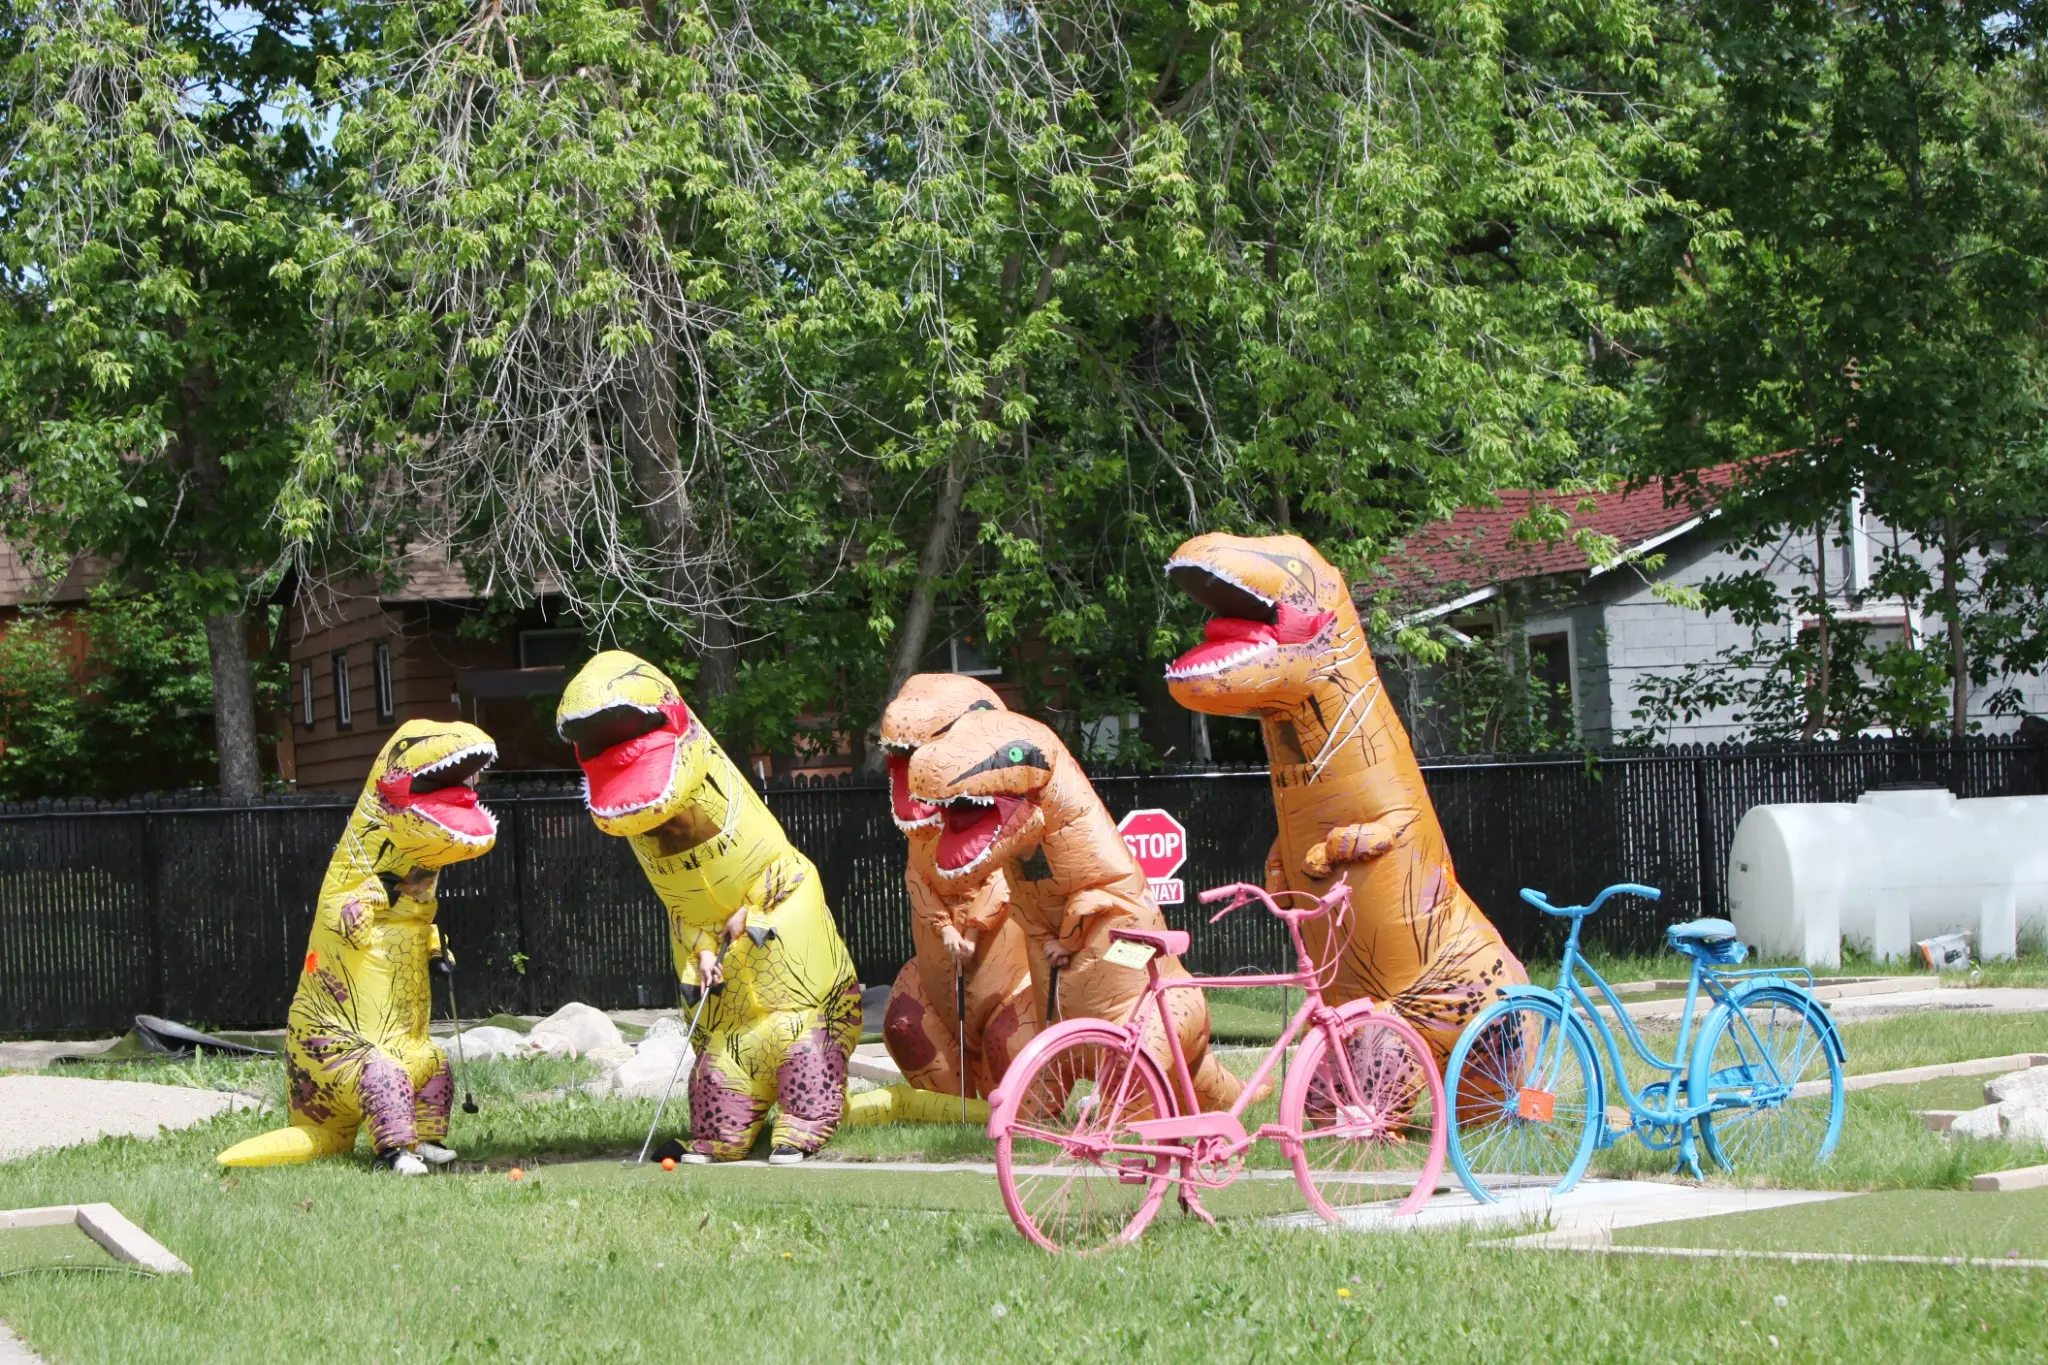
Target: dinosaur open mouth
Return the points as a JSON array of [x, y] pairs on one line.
[[908, 812], [629, 754], [445, 794], [1245, 625], [972, 826]]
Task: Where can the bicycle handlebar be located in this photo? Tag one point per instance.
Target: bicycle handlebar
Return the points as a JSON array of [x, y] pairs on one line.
[[1242, 893], [1537, 899]]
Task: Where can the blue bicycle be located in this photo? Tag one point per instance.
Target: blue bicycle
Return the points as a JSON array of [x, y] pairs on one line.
[[1529, 1100]]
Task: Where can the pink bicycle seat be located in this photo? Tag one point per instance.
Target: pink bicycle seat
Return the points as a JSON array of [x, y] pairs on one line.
[[1172, 942]]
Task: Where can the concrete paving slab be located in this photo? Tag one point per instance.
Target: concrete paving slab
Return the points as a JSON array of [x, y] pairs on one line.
[[41, 1112], [1847, 1005], [1997, 1182], [34, 1056]]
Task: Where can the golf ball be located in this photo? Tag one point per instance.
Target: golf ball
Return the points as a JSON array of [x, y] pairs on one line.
[[668, 1163], [518, 1174]]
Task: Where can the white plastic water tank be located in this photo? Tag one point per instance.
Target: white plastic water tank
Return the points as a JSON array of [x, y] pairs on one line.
[[1888, 870]]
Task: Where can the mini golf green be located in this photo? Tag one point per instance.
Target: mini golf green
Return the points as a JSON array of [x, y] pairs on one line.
[[875, 1185], [1949, 1092], [1888, 1223], [61, 1246]]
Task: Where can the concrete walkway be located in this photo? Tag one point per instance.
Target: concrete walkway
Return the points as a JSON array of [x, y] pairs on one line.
[[1873, 1004], [40, 1112], [13, 1352], [1589, 1213]]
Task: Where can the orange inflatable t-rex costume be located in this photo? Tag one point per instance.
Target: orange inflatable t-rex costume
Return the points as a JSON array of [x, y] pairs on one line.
[[1014, 803], [1285, 645], [970, 935]]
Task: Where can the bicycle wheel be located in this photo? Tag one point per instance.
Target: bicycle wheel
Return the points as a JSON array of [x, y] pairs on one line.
[[1365, 1104], [1524, 1100], [1774, 1053], [1064, 1182]]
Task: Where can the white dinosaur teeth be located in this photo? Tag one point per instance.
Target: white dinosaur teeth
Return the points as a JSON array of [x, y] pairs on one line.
[[1218, 665]]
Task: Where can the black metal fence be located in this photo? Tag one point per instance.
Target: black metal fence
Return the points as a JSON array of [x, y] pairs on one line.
[[187, 909]]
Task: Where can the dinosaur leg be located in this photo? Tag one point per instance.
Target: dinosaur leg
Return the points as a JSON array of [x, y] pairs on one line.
[[433, 1101], [1002, 1011], [390, 1104], [810, 1082], [725, 1111], [917, 1036]]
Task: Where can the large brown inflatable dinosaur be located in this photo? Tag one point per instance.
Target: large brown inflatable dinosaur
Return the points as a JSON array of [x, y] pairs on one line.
[[1285, 645], [1014, 803], [971, 935]]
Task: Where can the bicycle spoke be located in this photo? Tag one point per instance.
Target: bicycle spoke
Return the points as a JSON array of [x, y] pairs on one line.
[[1762, 1055], [1364, 1114]]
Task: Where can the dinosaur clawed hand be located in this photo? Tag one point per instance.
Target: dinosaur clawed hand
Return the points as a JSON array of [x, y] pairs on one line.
[[1346, 844]]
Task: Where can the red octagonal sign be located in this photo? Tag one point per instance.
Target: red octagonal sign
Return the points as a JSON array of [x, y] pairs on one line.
[[1160, 844]]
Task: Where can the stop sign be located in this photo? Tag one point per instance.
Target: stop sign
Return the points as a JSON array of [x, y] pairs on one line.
[[1160, 844]]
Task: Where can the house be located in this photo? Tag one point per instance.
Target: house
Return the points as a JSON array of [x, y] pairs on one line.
[[30, 587], [1594, 633]]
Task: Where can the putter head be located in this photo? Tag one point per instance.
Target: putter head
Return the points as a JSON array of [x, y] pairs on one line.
[[469, 1105]]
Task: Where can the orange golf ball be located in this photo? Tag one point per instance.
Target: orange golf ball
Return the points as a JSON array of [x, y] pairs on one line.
[[668, 1163], [518, 1174]]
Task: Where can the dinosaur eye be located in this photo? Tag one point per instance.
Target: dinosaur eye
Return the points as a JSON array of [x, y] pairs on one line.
[[1294, 566], [1016, 753]]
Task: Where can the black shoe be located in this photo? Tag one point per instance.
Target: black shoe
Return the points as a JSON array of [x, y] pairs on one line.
[[672, 1149]]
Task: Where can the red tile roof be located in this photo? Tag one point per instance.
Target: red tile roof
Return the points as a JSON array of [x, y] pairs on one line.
[[1479, 547]]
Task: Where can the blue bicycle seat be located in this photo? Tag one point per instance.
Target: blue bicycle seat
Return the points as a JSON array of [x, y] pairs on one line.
[[1709, 940]]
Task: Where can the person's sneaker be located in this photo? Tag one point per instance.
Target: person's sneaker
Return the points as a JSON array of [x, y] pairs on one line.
[[401, 1162], [787, 1156], [433, 1153], [694, 1159]]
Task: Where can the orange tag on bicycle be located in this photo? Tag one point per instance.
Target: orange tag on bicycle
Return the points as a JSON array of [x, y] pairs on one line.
[[1538, 1106]]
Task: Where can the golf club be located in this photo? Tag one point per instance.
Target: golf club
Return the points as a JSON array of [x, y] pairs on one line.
[[703, 999], [1052, 995], [455, 1015], [960, 1024]]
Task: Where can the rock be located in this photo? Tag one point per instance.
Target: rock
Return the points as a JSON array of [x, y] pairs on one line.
[[610, 1058], [486, 1042], [574, 1031], [1978, 1123], [665, 1029], [599, 1088], [2025, 1122], [647, 1075], [2030, 1086]]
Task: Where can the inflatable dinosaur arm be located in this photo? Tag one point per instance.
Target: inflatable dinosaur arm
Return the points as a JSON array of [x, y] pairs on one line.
[[1276, 869], [987, 909], [1356, 843], [1083, 907]]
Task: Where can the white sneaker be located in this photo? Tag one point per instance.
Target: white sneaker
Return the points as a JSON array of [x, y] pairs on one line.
[[786, 1156], [405, 1163], [433, 1153], [696, 1159]]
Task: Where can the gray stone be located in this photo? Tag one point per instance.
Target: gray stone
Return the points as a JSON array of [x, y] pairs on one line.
[[665, 1030], [647, 1075], [2030, 1086], [573, 1031], [487, 1043], [610, 1058], [1978, 1123], [2025, 1122]]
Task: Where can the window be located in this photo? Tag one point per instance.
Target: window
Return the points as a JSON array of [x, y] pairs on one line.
[[552, 649], [1550, 678], [344, 714], [306, 695], [380, 674], [970, 654]]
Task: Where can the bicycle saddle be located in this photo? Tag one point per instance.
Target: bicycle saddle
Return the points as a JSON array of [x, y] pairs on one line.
[[1172, 942], [1709, 940]]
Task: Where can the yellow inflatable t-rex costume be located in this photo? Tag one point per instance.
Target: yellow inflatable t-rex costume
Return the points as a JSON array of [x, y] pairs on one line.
[[971, 935], [356, 1044], [1015, 803], [1285, 645], [746, 912]]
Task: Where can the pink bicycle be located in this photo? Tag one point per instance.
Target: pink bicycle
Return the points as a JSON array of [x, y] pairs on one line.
[[1089, 1135]]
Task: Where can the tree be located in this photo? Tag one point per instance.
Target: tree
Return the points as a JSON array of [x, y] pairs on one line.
[[1867, 303], [837, 325], [150, 342]]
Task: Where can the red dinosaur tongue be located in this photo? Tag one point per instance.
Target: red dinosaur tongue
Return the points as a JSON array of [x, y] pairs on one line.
[[636, 774], [1227, 640], [457, 808], [909, 810], [968, 831]]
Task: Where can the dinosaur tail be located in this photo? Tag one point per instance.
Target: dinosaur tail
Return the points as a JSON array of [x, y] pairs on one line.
[[1216, 1087], [907, 1104], [288, 1147]]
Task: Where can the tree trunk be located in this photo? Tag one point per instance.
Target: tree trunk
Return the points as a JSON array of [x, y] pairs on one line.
[[1958, 649], [651, 435], [234, 706], [916, 629]]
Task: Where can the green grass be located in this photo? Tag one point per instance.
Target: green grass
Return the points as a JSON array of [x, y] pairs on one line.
[[1950, 1092], [64, 1244], [329, 1261], [1897, 1223]]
